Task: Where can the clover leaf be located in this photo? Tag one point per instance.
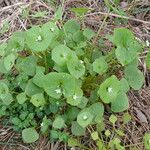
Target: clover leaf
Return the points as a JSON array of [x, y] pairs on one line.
[[59, 122], [29, 135], [83, 103], [61, 54], [121, 103], [109, 89], [84, 118], [38, 39], [38, 100], [100, 65], [134, 77], [147, 60]]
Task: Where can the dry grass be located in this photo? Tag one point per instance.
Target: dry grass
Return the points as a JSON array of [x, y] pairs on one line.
[[139, 22]]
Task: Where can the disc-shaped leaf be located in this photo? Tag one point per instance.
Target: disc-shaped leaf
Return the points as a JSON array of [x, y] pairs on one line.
[[83, 103], [109, 89], [84, 118], [9, 61], [2, 48], [77, 130], [3, 88], [126, 55], [124, 85], [147, 60], [100, 65], [134, 77], [88, 33], [31, 89], [30, 135], [38, 100], [21, 98], [27, 65], [6, 98], [71, 26], [121, 103], [97, 110], [38, 39], [59, 122], [76, 68], [76, 98], [61, 54]]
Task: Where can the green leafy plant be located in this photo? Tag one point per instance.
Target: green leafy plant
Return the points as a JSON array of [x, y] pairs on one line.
[[56, 79]]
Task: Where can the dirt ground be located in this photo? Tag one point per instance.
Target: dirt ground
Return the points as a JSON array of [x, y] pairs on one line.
[[138, 22]]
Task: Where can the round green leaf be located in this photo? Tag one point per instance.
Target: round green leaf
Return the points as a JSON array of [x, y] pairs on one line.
[[100, 65], [61, 54], [77, 130], [84, 118], [88, 33], [27, 65], [97, 110], [75, 99], [76, 68], [6, 98], [21, 98], [71, 26], [134, 77], [59, 122], [109, 89], [38, 39], [30, 135], [124, 85], [31, 89], [9, 61], [121, 103], [38, 100]]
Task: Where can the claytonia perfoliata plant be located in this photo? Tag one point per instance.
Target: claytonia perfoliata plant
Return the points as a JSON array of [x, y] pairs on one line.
[[51, 86]]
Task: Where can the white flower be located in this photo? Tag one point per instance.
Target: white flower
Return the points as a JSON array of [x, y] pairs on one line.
[[42, 124], [39, 38], [81, 62], [52, 29], [147, 43], [85, 117], [110, 90], [58, 91], [75, 97]]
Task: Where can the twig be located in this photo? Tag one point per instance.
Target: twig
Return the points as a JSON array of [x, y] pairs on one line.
[[11, 6], [118, 16]]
